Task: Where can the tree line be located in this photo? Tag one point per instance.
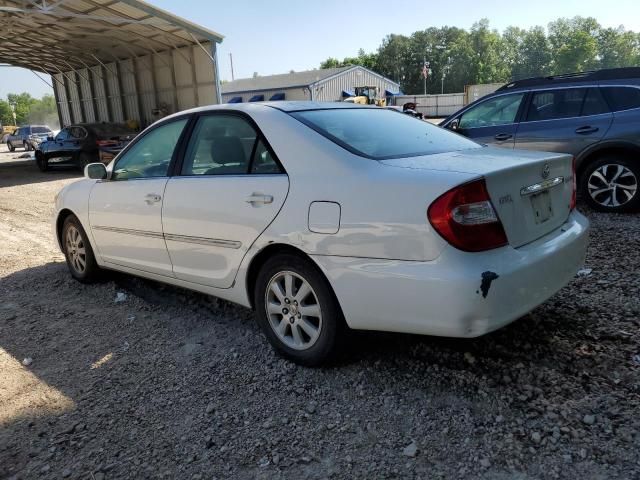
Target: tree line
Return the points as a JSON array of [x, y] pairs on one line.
[[484, 55], [29, 110]]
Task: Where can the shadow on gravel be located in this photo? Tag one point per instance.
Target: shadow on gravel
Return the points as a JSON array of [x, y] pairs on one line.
[[177, 383], [23, 172]]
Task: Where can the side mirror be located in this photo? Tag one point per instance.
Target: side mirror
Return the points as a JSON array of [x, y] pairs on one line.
[[50, 138], [95, 171], [455, 124]]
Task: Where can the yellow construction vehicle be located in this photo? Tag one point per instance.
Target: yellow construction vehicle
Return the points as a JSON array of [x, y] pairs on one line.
[[367, 96]]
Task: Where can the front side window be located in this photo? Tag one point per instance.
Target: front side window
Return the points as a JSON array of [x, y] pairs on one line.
[[379, 134], [555, 104], [496, 111], [226, 145], [62, 135], [16, 133], [152, 154], [622, 98], [77, 133]]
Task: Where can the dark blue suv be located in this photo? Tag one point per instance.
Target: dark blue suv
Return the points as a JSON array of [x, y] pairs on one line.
[[594, 116]]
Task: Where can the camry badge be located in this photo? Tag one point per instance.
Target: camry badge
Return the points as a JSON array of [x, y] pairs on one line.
[[546, 170]]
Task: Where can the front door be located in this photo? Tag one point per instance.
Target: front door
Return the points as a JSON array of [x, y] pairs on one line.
[[125, 212], [493, 121], [229, 189], [564, 120]]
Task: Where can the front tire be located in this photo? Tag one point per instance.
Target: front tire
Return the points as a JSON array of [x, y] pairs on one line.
[[78, 252], [297, 310], [26, 146], [611, 184], [42, 162]]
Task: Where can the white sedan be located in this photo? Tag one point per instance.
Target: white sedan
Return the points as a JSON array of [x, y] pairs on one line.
[[325, 216]]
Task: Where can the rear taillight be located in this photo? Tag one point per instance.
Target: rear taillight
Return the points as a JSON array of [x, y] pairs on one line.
[[465, 217], [574, 193]]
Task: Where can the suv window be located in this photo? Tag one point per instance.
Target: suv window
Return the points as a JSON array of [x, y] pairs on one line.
[[40, 130], [594, 103], [500, 110], [554, 104], [151, 155], [16, 133], [622, 98], [225, 145]]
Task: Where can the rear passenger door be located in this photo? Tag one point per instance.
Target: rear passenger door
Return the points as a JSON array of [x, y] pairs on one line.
[[494, 121], [566, 120], [228, 189]]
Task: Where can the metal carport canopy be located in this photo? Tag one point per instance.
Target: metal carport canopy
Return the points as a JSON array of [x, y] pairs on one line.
[[112, 60]]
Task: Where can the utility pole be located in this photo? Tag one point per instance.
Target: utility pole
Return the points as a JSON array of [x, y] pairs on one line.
[[233, 77]]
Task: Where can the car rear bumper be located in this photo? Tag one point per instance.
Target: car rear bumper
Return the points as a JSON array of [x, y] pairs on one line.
[[459, 294]]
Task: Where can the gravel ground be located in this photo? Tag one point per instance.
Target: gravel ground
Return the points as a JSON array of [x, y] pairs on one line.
[[173, 384]]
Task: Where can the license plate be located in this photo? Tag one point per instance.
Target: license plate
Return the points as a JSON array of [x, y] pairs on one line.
[[542, 209]]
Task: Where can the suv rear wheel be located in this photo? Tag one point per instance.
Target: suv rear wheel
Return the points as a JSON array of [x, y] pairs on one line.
[[611, 184], [11, 147]]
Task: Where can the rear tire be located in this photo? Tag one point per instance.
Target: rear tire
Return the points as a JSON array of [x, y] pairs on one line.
[[11, 147], [611, 184], [85, 159], [297, 310], [78, 252]]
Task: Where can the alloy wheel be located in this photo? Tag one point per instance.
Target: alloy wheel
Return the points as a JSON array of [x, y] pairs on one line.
[[293, 310], [76, 251], [612, 185]]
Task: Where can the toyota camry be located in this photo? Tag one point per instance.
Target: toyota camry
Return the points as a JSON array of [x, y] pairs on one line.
[[324, 217]]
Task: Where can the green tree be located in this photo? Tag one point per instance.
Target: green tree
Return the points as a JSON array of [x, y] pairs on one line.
[[618, 47], [574, 44]]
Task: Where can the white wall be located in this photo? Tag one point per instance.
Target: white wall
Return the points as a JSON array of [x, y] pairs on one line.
[[132, 89]]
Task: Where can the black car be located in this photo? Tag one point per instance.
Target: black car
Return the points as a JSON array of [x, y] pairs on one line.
[[82, 144], [594, 115]]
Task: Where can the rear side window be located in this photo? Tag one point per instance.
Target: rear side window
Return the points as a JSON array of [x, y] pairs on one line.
[[554, 104], [594, 103], [622, 98], [379, 134]]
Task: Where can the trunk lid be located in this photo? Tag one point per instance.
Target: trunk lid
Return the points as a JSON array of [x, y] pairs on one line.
[[530, 191]]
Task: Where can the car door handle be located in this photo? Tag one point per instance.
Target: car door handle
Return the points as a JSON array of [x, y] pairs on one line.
[[501, 137], [259, 199], [586, 130], [152, 198]]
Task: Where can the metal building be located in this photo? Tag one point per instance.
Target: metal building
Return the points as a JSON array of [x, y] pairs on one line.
[[327, 85], [112, 60]]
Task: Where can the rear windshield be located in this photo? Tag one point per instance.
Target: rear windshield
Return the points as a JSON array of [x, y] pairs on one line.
[[381, 134], [40, 130], [111, 129]]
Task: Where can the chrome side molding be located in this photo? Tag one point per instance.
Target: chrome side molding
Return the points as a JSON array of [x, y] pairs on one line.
[[213, 242]]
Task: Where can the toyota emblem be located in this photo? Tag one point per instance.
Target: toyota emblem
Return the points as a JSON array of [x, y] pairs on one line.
[[546, 169]]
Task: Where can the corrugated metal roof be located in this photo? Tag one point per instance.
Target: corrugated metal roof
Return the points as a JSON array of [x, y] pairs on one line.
[[287, 80], [59, 36]]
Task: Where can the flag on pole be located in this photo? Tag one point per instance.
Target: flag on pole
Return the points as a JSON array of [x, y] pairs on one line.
[[425, 70]]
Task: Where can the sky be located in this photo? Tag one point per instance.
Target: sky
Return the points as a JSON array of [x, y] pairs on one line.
[[277, 36]]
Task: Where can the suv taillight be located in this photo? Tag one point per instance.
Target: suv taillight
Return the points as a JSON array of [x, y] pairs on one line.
[[465, 217], [574, 193]]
